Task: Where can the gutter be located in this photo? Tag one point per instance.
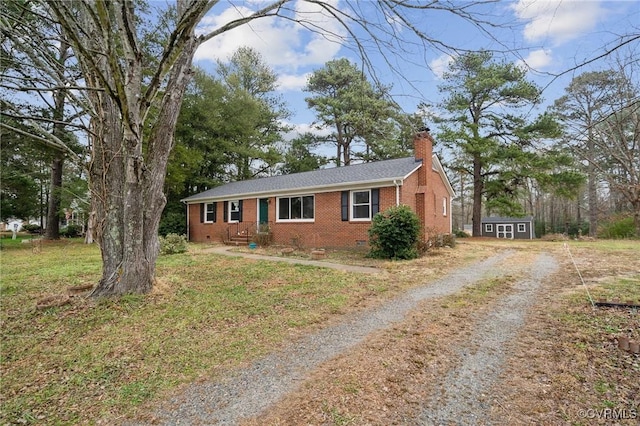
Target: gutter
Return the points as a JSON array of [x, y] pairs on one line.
[[397, 183]]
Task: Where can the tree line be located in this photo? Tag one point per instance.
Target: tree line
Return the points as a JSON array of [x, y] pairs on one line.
[[118, 105]]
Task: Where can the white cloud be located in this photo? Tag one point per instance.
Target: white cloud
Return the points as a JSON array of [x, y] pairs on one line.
[[440, 64], [557, 20], [282, 43], [292, 81], [537, 59], [302, 128]]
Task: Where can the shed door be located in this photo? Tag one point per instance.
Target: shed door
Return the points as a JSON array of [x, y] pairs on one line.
[[504, 231]]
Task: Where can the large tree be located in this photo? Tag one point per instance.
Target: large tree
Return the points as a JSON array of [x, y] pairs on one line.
[[602, 127], [299, 156], [135, 77], [489, 132], [257, 112], [32, 72], [22, 175], [356, 111]]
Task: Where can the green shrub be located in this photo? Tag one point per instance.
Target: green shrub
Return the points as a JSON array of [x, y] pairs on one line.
[[620, 227], [459, 233], [31, 228], [394, 234], [71, 231], [173, 243], [172, 223]]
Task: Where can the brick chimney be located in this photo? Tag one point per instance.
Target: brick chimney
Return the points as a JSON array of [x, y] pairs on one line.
[[423, 149]]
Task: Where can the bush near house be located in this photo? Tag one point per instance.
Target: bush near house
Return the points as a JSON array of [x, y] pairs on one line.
[[31, 228], [394, 234], [71, 231], [172, 223], [173, 244]]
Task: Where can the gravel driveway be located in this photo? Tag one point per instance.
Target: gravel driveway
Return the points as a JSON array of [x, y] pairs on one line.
[[250, 391]]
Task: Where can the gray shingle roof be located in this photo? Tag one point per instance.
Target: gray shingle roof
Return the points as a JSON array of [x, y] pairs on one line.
[[379, 172], [495, 219]]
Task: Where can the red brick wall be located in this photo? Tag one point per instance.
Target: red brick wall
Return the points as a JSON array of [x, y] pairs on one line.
[[328, 229], [408, 191], [440, 220]]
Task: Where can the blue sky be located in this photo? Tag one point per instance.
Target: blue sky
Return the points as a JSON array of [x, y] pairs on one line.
[[549, 36]]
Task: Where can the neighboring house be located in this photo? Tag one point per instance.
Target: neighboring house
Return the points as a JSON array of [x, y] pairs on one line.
[[326, 207], [13, 224], [522, 228]]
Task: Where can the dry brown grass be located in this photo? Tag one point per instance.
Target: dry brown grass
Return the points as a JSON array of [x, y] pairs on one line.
[[567, 368], [563, 362]]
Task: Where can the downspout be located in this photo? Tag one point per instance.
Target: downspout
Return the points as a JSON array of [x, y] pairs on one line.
[[451, 215], [397, 183]]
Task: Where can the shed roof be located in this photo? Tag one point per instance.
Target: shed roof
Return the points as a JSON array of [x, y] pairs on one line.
[[321, 180], [496, 219]]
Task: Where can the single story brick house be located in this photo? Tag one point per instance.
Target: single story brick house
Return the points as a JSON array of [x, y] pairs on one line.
[[519, 228], [325, 208]]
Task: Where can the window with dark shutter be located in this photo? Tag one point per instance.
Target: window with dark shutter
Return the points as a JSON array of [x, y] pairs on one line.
[[210, 212], [235, 210], [361, 205]]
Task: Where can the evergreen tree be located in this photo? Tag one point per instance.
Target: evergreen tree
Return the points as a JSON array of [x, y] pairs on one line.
[[490, 134], [364, 121]]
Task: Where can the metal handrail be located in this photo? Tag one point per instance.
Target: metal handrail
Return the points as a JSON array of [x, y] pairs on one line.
[[248, 229]]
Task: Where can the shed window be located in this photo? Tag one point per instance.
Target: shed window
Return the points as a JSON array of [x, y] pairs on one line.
[[488, 227], [522, 227]]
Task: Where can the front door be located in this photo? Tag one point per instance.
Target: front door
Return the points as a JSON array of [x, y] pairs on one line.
[[264, 211], [504, 231]]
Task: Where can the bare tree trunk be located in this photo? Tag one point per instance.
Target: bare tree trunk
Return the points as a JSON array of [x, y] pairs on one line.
[[128, 189], [636, 215], [52, 231], [592, 186], [89, 236], [55, 193], [462, 218], [478, 188]]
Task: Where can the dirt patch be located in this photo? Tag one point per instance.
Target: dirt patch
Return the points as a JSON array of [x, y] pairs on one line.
[[391, 377], [567, 368]]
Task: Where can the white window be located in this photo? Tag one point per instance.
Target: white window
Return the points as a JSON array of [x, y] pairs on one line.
[[209, 212], [234, 211], [444, 206], [488, 227], [299, 208], [522, 227], [361, 205]]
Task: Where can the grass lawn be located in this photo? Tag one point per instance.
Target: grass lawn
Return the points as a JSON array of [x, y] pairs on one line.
[[90, 360], [101, 359]]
